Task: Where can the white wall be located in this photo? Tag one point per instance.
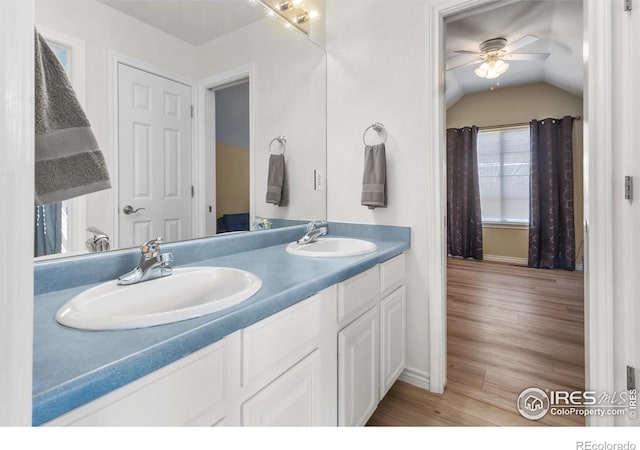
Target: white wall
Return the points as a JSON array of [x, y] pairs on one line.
[[104, 29], [289, 86], [377, 72], [16, 223]]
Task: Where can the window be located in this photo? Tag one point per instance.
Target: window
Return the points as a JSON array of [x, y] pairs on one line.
[[503, 169]]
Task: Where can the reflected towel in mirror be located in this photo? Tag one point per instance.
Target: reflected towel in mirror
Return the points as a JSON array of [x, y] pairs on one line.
[[275, 180], [68, 161]]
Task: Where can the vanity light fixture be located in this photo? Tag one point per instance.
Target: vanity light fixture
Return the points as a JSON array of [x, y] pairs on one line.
[[288, 4], [292, 12], [302, 18]]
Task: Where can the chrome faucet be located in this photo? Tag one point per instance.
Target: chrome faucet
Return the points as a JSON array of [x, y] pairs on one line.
[[152, 265], [99, 242], [312, 233]]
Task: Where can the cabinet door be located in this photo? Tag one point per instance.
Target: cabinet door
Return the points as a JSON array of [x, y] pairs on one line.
[[358, 370], [290, 400], [393, 352]]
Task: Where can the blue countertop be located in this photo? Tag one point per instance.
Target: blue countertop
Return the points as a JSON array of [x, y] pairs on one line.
[[73, 367]]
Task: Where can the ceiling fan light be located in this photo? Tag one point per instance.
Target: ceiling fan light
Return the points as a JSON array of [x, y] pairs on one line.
[[482, 70], [492, 69], [501, 67]]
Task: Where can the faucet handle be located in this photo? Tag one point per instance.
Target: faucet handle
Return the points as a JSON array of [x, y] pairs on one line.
[[151, 249]]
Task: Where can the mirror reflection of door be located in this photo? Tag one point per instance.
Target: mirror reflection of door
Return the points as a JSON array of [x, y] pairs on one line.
[[232, 138], [154, 158]]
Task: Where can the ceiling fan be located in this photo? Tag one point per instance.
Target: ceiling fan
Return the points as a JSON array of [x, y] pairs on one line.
[[493, 55]]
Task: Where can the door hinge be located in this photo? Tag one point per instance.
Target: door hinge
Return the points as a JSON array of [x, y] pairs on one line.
[[192, 111], [631, 378], [628, 5], [628, 188], [193, 191]]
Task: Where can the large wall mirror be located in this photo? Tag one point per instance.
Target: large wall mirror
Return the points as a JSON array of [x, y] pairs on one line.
[[190, 102]]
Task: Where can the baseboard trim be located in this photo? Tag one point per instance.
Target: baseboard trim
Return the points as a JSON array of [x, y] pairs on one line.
[[516, 261], [415, 377], [506, 259]]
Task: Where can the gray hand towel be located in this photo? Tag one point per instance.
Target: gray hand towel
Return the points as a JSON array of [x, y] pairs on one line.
[[275, 179], [374, 179], [68, 162]]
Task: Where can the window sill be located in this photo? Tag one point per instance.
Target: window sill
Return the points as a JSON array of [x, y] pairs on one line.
[[506, 225]]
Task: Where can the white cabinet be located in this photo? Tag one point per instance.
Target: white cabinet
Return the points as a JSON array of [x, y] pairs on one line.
[[293, 399], [371, 348], [289, 366], [358, 370], [393, 325], [282, 370], [190, 391]]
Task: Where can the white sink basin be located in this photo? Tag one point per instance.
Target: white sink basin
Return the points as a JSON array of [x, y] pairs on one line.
[[187, 293], [332, 247]]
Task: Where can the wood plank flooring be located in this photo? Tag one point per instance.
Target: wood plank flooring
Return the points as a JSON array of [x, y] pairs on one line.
[[509, 328]]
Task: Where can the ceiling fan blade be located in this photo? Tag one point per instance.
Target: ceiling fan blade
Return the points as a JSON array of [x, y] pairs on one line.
[[466, 52], [455, 63], [522, 42], [525, 56]]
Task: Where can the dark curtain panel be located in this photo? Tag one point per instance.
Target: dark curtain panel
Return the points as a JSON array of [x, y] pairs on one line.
[[552, 242], [464, 218], [47, 229]]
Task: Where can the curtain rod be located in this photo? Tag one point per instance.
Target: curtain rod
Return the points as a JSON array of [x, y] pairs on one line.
[[514, 125]]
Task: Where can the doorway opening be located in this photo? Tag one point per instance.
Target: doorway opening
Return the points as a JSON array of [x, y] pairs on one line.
[[510, 327], [232, 150], [226, 153]]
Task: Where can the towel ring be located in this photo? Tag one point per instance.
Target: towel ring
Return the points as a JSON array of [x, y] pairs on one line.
[[282, 140], [376, 127]]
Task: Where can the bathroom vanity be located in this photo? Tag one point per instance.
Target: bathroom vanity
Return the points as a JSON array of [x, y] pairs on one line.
[[320, 344]]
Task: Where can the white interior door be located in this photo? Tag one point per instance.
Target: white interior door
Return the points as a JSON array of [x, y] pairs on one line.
[[154, 158]]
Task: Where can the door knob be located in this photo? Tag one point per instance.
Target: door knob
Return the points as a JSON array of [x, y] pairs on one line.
[[129, 210]]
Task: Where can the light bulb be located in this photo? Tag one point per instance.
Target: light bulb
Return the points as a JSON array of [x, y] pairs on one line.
[[482, 70], [313, 14], [501, 67], [297, 3]]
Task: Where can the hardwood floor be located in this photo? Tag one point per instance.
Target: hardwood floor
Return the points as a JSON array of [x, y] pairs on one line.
[[509, 328]]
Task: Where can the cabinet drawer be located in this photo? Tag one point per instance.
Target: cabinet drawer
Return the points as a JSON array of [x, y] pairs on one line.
[[196, 383], [276, 343], [392, 274], [357, 294]]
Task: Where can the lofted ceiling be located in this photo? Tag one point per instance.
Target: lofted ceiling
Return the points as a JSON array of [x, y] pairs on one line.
[[194, 22], [557, 23]]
